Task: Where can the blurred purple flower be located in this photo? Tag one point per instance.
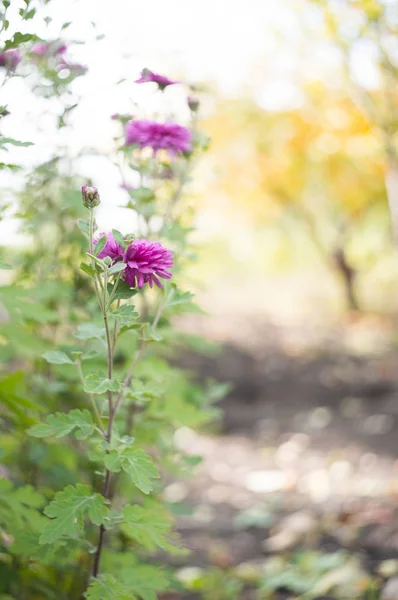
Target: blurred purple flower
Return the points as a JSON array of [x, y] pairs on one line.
[[111, 248], [146, 262], [10, 59], [49, 48], [159, 136], [127, 186], [149, 76], [74, 68]]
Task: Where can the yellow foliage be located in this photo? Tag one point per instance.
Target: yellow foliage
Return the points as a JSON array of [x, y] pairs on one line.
[[324, 155]]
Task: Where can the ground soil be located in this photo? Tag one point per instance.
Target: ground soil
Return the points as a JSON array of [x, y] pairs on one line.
[[308, 429]]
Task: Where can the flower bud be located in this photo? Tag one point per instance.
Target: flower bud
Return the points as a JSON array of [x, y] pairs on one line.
[[108, 261], [90, 196], [193, 103]]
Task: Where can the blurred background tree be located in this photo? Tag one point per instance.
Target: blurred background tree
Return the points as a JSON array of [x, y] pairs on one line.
[[319, 166]]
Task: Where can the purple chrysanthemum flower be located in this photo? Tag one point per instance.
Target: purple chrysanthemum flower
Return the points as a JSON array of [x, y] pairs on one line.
[[149, 76], [10, 58], [159, 136], [111, 248], [146, 262]]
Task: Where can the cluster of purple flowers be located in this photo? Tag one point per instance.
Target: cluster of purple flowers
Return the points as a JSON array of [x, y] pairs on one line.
[[9, 59], [146, 261], [159, 136], [49, 48]]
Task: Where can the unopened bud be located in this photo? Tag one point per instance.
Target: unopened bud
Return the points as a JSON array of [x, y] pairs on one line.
[[193, 103], [90, 196], [108, 261]]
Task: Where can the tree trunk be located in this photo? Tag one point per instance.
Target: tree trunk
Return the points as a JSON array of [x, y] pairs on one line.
[[348, 275]]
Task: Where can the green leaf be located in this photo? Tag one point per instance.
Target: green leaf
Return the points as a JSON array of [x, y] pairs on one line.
[[181, 301], [11, 396], [19, 38], [100, 245], [18, 506], [118, 237], [62, 424], [58, 358], [140, 467], [113, 462], [97, 384], [68, 510], [98, 261], [145, 581], [125, 315], [106, 587], [123, 292], [87, 269], [5, 266], [147, 526], [89, 331], [149, 334], [142, 194], [117, 268], [12, 142]]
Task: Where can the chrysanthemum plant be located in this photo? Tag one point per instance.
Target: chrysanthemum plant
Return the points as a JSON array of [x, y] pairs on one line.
[[104, 525]]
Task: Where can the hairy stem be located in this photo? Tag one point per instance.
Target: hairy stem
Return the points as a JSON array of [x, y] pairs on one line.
[[108, 434], [91, 397]]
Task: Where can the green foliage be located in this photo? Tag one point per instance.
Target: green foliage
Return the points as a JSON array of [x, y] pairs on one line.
[[58, 358], [134, 462], [67, 512], [17, 506], [97, 384], [94, 364], [148, 527], [61, 424], [106, 587], [125, 315]]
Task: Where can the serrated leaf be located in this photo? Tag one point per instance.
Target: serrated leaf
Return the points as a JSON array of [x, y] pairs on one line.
[[11, 397], [145, 581], [89, 331], [149, 334], [68, 510], [18, 506], [106, 587], [148, 527], [58, 358], [125, 314], [117, 268], [100, 245], [97, 384], [61, 424], [123, 292], [140, 467], [87, 269]]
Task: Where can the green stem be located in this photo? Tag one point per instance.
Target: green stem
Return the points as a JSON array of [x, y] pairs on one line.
[[91, 396], [102, 301]]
